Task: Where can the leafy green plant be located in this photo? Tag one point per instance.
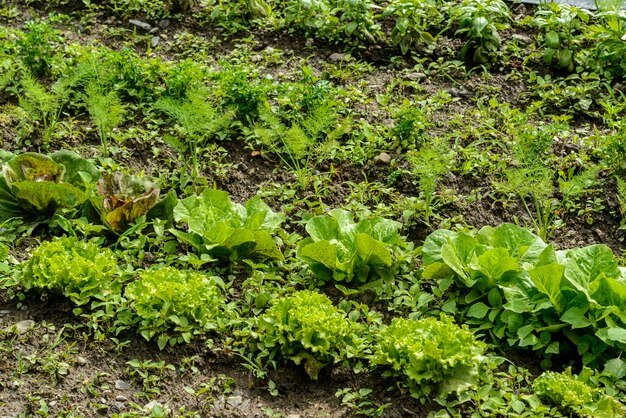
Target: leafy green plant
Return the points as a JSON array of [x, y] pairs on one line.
[[417, 23], [81, 271], [340, 249], [429, 164], [219, 227], [42, 104], [608, 35], [35, 185], [574, 395], [529, 295], [306, 328], [302, 146], [562, 36], [36, 46], [356, 20], [429, 354], [173, 305], [106, 111], [481, 21], [197, 118]]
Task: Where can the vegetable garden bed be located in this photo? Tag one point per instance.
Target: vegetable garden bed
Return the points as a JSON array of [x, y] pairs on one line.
[[311, 209]]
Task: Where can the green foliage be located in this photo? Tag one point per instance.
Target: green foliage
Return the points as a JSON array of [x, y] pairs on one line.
[[42, 104], [429, 351], [303, 145], [198, 120], [608, 36], [339, 249], [37, 45], [173, 305], [574, 395], [481, 21], [533, 184], [81, 271], [529, 295], [429, 164], [417, 23], [306, 327], [562, 38], [35, 185], [221, 228], [106, 111]]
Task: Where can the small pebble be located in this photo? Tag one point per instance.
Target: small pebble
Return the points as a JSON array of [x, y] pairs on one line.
[[121, 385], [140, 25]]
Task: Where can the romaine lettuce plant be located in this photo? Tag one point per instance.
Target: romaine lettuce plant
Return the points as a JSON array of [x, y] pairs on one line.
[[307, 328], [430, 353], [81, 271], [343, 250], [173, 305], [221, 228], [574, 396], [34, 185], [524, 291]]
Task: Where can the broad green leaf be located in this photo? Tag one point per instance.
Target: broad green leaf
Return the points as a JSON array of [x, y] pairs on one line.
[[548, 280], [9, 206], [44, 197], [494, 263], [381, 229], [478, 310], [576, 318], [74, 165], [433, 244], [458, 254], [322, 228], [321, 252], [260, 216], [617, 334], [607, 291], [584, 265], [372, 251], [265, 246]]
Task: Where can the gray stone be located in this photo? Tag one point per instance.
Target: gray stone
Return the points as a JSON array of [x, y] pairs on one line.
[[81, 361], [154, 42], [164, 24], [337, 57], [140, 25], [22, 327], [4, 312], [119, 406], [234, 401], [121, 385], [382, 158], [153, 31], [416, 76], [121, 398]]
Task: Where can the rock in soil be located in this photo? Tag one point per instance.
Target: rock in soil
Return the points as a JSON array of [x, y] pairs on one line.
[[140, 25]]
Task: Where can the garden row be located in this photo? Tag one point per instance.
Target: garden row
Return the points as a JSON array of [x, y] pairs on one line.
[[566, 37]]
